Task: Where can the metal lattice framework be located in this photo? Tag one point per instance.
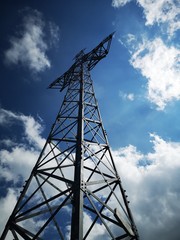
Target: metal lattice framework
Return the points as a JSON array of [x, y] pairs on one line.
[[74, 190]]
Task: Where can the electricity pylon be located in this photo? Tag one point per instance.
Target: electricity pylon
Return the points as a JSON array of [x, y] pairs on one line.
[[74, 190]]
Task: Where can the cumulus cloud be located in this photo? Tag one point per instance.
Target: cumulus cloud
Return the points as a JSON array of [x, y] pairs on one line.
[[7, 204], [32, 128], [163, 12], [152, 181], [19, 155], [159, 63], [29, 46], [17, 158]]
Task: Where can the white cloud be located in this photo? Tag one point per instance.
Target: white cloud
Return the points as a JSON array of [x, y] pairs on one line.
[[130, 38], [7, 204], [130, 96], [153, 189], [119, 3], [159, 63], [29, 46], [163, 12], [17, 159], [32, 128], [7, 142], [127, 96], [23, 155]]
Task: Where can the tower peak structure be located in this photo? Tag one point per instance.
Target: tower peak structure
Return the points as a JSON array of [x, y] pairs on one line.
[[74, 190]]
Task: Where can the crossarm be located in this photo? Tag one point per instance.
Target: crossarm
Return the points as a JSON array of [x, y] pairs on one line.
[[91, 58], [99, 52], [62, 81]]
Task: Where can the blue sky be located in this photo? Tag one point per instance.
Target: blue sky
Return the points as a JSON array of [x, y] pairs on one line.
[[137, 86]]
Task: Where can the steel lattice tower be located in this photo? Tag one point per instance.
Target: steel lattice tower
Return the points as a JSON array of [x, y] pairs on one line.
[[74, 190]]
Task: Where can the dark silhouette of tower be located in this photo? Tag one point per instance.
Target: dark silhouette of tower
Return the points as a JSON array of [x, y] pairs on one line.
[[74, 190]]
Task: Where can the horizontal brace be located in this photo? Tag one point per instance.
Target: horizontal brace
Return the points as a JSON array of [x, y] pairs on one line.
[[92, 93], [95, 143], [63, 140], [53, 168], [56, 177], [101, 181], [93, 170], [90, 104], [93, 121], [66, 117]]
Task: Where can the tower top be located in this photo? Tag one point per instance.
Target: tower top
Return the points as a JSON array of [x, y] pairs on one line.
[[91, 58]]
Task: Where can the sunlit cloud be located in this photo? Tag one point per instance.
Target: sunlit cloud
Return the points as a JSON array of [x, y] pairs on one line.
[[7, 204], [16, 156], [162, 12], [156, 60], [159, 64], [152, 182], [119, 3], [29, 46], [165, 13], [32, 128]]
